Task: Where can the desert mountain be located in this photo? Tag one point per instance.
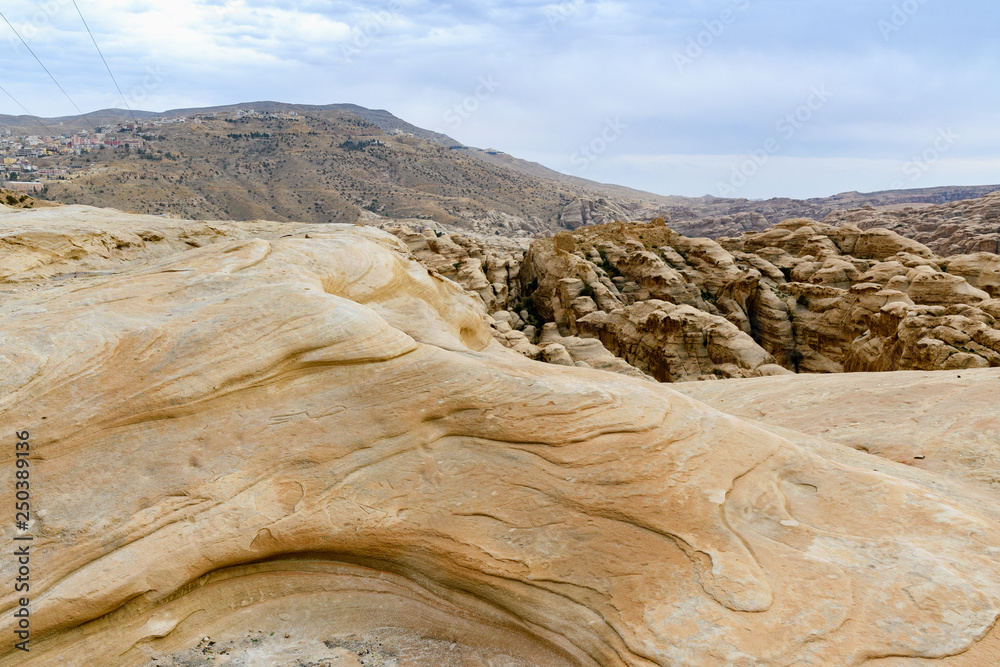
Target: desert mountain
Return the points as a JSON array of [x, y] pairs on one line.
[[284, 443], [341, 163]]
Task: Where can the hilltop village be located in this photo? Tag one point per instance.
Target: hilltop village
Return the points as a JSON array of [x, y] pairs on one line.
[[20, 152]]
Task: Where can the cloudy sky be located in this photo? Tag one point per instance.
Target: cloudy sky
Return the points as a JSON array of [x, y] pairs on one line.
[[749, 98]]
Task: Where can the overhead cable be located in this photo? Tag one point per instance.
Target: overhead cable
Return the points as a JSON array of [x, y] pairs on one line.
[[37, 59], [105, 62], [39, 120]]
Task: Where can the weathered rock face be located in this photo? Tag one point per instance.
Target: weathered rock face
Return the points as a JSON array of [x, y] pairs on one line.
[[678, 343], [317, 436], [605, 283], [981, 270], [960, 227], [809, 297], [723, 225], [582, 212], [484, 270], [490, 270]]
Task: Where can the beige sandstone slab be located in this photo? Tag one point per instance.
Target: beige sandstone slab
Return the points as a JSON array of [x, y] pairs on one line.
[[316, 431], [947, 422]]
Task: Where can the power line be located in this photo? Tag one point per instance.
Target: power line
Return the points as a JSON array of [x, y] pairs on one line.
[[47, 129], [48, 72], [105, 62]]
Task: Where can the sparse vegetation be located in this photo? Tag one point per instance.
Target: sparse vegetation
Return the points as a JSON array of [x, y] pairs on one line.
[[324, 167]]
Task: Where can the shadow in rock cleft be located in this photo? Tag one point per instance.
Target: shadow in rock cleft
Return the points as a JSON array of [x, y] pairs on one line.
[[309, 607]]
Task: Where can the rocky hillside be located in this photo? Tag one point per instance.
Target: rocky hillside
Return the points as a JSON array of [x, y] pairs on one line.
[[289, 444], [333, 166], [713, 217], [959, 227], [803, 296]]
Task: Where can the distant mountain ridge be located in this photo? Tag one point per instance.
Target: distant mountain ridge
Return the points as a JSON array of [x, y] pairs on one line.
[[714, 217], [475, 196]]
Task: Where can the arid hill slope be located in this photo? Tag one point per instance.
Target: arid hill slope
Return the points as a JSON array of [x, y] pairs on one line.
[[333, 167]]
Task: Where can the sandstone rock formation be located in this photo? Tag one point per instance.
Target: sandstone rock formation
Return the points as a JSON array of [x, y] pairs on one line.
[[713, 217], [311, 434], [960, 227], [723, 225], [581, 212], [803, 296]]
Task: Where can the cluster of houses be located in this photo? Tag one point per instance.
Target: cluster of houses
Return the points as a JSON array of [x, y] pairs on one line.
[[18, 152], [257, 115], [37, 146]]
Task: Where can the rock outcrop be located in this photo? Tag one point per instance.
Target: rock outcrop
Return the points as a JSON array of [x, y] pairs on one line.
[[961, 227], [802, 296], [312, 435], [713, 217], [581, 212]]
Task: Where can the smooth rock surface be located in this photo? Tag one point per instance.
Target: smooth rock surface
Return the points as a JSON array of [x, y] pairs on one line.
[[319, 436], [946, 422]]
